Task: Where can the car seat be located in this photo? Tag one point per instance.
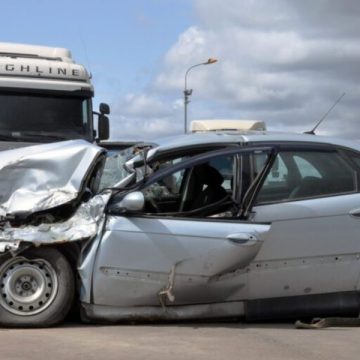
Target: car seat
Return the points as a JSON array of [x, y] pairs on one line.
[[209, 182], [308, 187]]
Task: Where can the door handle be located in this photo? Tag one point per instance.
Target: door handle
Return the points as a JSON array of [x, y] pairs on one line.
[[243, 238]]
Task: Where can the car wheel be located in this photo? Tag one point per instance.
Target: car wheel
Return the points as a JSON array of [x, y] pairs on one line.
[[36, 288]]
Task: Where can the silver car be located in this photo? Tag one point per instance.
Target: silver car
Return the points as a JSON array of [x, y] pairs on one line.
[[251, 225]]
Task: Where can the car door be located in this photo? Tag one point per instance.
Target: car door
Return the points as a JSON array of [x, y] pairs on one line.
[[182, 257], [311, 198]]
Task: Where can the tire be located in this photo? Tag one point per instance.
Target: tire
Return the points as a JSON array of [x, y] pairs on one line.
[[36, 288]]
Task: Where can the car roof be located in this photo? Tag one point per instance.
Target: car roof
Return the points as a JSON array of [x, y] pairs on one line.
[[185, 141]]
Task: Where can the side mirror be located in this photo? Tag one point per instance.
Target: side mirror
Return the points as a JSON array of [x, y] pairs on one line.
[[103, 127], [104, 109], [134, 201]]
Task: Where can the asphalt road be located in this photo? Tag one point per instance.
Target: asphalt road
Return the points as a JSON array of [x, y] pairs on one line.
[[180, 341]]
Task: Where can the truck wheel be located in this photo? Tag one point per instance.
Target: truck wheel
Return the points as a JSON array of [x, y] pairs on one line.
[[36, 288]]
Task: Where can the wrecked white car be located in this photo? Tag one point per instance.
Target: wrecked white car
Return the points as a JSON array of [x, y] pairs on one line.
[[208, 225]]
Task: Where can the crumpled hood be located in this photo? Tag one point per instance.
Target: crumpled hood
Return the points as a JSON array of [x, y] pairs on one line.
[[41, 177]]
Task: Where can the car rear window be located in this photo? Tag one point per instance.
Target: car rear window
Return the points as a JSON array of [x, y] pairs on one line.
[[307, 174]]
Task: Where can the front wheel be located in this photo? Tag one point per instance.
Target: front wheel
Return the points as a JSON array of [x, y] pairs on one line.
[[36, 288]]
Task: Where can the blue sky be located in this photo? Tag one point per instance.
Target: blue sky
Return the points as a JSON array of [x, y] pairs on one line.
[[121, 42], [280, 61]]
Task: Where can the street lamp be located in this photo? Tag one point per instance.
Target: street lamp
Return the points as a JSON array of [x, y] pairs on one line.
[[188, 92]]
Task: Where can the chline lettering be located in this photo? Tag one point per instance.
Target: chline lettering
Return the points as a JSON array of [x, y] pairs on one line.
[[39, 70], [25, 68]]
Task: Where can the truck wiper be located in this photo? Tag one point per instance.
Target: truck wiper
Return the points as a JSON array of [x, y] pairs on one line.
[[9, 137], [44, 135]]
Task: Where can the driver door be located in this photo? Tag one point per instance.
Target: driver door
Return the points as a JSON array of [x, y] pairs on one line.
[[152, 258]]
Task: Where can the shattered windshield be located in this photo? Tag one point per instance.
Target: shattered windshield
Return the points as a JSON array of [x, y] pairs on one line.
[[120, 164], [114, 170]]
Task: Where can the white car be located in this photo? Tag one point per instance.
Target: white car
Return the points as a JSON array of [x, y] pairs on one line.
[[254, 225]]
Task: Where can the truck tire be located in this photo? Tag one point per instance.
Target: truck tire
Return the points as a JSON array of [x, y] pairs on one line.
[[36, 288]]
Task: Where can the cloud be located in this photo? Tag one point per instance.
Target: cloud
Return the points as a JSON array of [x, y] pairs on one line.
[[143, 104], [284, 62], [143, 116]]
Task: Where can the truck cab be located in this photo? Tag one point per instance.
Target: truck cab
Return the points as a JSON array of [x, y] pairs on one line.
[[45, 96]]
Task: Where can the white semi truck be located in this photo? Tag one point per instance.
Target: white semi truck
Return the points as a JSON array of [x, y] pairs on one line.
[[45, 96]]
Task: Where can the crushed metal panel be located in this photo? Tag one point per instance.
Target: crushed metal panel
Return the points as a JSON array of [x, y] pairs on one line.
[[82, 225], [41, 177]]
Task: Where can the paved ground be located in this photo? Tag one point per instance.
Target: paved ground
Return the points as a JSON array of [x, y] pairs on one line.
[[185, 341]]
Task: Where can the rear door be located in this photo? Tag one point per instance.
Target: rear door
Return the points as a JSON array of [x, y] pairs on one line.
[[185, 256], [311, 198]]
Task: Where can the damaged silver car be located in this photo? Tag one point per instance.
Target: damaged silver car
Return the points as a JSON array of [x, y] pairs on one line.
[[252, 225]]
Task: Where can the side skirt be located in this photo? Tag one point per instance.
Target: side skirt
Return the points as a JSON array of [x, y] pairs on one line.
[[293, 307], [103, 313], [307, 306]]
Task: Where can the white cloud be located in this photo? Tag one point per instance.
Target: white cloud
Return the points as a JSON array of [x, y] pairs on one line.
[[144, 117], [280, 61], [138, 105]]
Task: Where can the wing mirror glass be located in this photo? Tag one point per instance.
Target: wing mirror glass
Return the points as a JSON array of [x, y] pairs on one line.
[[103, 127]]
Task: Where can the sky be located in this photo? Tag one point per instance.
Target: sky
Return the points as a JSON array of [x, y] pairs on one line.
[[281, 61]]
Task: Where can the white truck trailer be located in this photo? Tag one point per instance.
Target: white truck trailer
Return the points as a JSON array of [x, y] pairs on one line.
[[45, 96]]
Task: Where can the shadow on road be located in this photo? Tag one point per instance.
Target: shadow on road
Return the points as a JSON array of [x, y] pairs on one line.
[[234, 324]]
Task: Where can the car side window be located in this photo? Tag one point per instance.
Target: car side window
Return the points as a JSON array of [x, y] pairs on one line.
[[306, 168], [193, 189], [165, 190], [307, 174], [278, 173], [225, 166], [355, 157]]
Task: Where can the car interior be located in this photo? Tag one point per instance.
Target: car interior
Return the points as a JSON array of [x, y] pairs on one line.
[[202, 190]]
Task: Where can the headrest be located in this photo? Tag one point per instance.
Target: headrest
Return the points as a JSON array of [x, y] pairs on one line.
[[208, 175]]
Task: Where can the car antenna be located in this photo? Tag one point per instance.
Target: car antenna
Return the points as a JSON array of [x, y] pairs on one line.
[[312, 132]]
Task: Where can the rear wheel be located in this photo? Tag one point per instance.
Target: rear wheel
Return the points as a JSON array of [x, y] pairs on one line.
[[36, 288]]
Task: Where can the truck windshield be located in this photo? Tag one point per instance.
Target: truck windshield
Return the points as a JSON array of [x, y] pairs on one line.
[[38, 117]]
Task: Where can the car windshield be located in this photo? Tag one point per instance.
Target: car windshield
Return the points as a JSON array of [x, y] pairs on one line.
[[114, 170], [120, 164]]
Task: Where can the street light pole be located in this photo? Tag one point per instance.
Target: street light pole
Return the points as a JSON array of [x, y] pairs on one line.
[[188, 92]]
